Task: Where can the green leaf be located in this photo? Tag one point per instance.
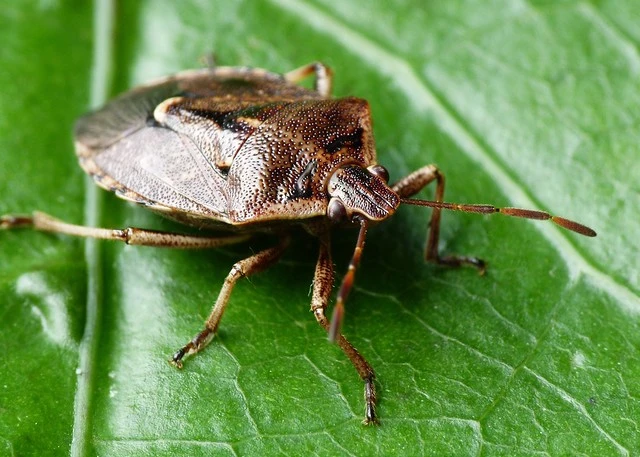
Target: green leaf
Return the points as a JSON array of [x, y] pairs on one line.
[[529, 104]]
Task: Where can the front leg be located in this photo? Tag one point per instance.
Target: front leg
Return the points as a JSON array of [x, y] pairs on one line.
[[322, 285], [414, 183]]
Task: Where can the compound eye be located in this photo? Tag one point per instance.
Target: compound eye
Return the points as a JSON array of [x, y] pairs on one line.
[[336, 211], [380, 171]]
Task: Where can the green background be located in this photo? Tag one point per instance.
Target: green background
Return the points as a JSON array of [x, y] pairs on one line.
[[529, 104]]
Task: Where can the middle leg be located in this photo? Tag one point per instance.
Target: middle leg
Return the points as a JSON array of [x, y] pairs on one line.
[[323, 75], [243, 268], [130, 235]]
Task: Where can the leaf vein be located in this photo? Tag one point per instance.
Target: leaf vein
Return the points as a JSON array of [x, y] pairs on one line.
[[578, 406]]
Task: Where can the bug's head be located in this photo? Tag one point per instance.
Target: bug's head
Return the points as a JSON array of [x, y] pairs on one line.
[[358, 192], [360, 195]]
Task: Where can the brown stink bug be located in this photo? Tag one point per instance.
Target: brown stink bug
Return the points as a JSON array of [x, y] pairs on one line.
[[246, 151]]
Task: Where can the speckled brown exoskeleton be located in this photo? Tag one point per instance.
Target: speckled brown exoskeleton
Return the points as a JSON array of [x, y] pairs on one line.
[[249, 151]]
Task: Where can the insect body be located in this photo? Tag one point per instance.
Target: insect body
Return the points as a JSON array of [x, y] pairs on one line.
[[247, 151]]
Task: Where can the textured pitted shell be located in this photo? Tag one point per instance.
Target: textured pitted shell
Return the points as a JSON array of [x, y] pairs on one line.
[[225, 146]]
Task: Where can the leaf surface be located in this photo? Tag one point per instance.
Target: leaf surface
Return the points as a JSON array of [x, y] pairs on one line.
[[529, 104]]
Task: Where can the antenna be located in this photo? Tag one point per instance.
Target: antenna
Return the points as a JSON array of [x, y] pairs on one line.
[[507, 211]]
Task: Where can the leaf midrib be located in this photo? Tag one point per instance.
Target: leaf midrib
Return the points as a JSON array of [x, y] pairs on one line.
[[103, 26]]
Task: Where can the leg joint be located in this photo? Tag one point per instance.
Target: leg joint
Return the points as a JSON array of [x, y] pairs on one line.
[[236, 271], [123, 235]]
